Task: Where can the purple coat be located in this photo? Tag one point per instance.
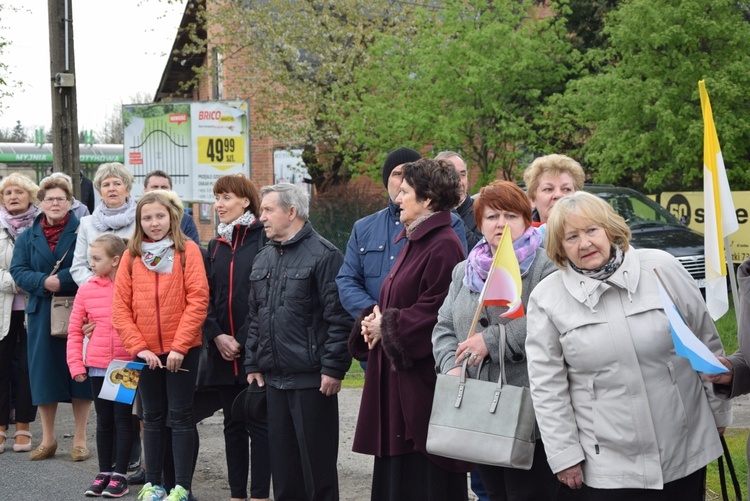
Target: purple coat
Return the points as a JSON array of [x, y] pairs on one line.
[[400, 377]]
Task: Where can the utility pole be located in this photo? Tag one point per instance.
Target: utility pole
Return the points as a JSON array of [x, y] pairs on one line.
[[65, 149]]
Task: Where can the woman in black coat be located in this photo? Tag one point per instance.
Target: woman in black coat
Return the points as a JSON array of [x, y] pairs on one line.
[[229, 260]]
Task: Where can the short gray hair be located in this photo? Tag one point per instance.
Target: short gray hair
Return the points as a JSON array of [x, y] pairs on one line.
[[113, 169], [59, 174], [290, 195], [445, 155]]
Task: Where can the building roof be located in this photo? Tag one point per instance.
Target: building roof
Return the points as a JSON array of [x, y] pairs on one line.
[[179, 67]]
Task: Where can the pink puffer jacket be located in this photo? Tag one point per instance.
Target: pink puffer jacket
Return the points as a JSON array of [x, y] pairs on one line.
[[94, 301]]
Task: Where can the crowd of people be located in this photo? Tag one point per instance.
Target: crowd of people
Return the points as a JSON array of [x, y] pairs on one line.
[[264, 322]]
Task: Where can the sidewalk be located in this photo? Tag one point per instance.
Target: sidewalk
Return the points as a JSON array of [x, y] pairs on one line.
[[60, 479]]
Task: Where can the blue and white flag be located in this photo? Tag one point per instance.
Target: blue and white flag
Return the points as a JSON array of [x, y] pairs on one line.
[[685, 343]]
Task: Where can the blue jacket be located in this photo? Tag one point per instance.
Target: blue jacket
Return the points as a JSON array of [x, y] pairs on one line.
[[370, 255], [187, 225]]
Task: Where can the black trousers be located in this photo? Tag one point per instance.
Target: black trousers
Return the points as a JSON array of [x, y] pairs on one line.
[[112, 419], [413, 477], [690, 488], [163, 392], [510, 484], [303, 426], [245, 443], [15, 340]]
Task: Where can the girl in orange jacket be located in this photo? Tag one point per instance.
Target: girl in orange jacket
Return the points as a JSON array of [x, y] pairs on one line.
[[160, 304]]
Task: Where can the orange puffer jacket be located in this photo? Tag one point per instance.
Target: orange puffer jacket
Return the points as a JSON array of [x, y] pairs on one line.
[[161, 312]]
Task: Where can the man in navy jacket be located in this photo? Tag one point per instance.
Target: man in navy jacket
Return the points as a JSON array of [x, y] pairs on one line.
[[371, 251]]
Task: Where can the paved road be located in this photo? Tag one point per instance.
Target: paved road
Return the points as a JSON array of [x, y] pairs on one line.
[[60, 479]]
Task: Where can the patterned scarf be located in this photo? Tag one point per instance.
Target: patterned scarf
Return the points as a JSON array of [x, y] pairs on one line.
[[606, 271], [480, 258], [106, 219], [227, 230], [16, 224], [52, 232], [415, 224], [158, 256]]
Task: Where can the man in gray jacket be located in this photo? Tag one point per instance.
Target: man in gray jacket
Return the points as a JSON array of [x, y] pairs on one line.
[[297, 333]]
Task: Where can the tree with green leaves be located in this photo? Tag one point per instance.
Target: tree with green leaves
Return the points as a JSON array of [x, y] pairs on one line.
[[641, 108], [295, 58], [470, 77]]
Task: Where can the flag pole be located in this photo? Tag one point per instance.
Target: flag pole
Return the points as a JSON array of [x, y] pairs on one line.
[[732, 279]]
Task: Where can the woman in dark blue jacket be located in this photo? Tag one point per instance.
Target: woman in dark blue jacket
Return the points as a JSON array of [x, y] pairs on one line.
[[51, 238], [228, 264]]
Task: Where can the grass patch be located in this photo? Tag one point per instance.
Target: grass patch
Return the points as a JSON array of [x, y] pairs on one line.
[[727, 327], [355, 377], [736, 439]]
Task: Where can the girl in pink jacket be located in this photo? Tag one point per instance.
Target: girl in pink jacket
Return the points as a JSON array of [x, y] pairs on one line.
[[93, 304]]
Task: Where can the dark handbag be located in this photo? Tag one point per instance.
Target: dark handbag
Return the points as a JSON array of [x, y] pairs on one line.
[[61, 307], [481, 421], [732, 474]]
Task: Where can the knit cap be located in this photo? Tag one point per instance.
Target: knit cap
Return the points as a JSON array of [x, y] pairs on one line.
[[396, 158]]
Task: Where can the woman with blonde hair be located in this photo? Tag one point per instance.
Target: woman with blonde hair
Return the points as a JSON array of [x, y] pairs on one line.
[[159, 307], [17, 212], [114, 214], [548, 179], [621, 414]]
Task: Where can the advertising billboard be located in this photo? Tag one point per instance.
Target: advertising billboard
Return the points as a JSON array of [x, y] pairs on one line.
[[195, 143]]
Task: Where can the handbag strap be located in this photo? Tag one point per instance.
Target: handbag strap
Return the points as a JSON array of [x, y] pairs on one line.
[[732, 474], [59, 261]]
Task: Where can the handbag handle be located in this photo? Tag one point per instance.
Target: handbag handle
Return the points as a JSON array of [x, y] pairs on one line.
[[502, 381], [732, 474]]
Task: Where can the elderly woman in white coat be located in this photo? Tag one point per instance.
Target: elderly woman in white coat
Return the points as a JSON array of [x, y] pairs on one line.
[[115, 214], [17, 212], [621, 415], [498, 204]]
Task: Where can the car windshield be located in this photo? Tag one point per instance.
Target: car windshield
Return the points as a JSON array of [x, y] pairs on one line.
[[639, 211]]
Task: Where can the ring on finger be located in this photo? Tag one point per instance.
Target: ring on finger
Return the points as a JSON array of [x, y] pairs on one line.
[[473, 357]]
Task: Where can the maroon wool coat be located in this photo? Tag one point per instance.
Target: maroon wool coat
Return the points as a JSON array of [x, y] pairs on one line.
[[400, 377]]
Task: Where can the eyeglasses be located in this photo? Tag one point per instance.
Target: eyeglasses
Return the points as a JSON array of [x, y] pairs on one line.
[[55, 200]]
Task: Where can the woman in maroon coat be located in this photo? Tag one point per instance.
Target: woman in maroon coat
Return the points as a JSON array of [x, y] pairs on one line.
[[400, 377]]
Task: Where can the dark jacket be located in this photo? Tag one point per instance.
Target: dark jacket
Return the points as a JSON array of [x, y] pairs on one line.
[[297, 328], [31, 264], [187, 225], [466, 212], [228, 268], [400, 378], [87, 193], [371, 253]]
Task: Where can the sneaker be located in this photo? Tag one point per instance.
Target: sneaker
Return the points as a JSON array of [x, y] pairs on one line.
[[100, 483], [152, 493], [178, 494], [117, 487]]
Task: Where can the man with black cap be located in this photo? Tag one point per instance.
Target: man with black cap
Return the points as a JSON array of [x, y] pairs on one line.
[[371, 251]]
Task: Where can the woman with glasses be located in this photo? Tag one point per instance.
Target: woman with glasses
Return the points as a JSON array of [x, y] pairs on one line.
[[50, 239]]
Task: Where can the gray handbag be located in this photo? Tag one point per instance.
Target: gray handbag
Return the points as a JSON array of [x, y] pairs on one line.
[[482, 421]]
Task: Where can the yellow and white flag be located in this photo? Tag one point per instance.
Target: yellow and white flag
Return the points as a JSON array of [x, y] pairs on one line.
[[720, 218]]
